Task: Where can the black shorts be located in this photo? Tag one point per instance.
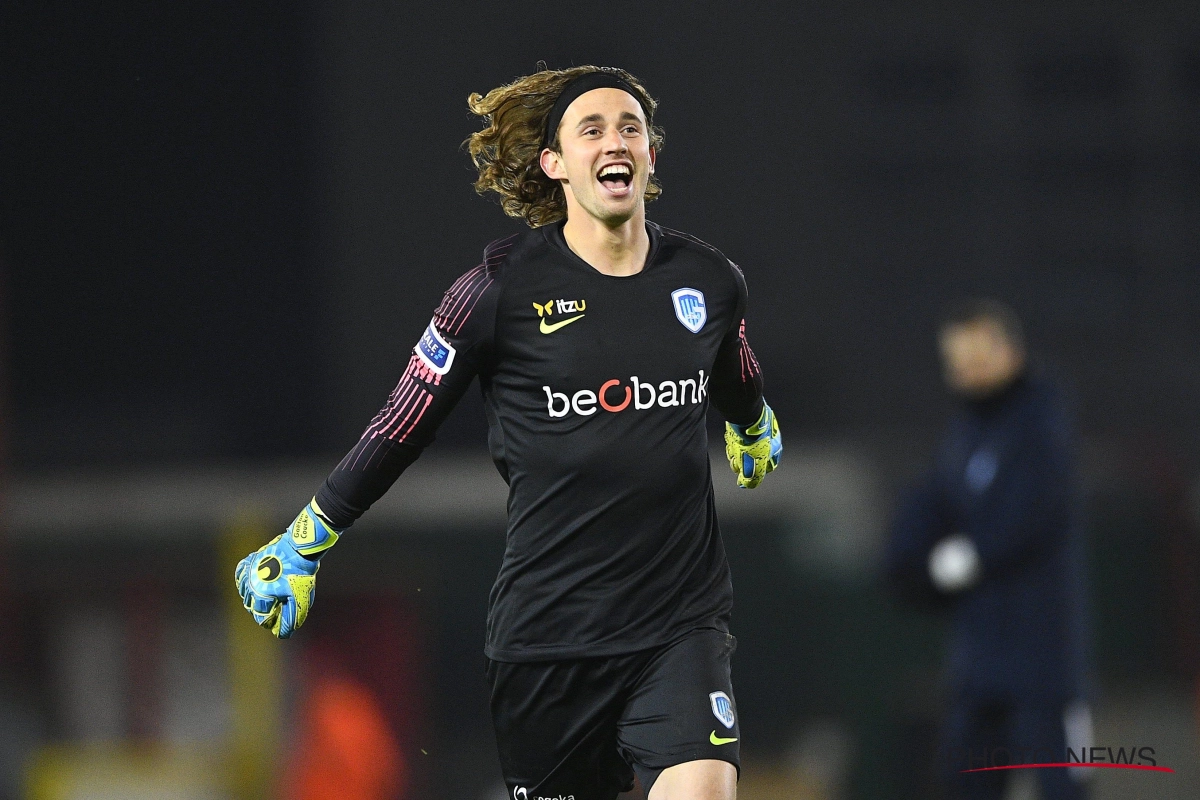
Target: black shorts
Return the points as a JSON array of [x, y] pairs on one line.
[[583, 727]]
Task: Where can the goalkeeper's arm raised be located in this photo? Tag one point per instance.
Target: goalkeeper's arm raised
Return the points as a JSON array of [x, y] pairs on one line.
[[278, 582]]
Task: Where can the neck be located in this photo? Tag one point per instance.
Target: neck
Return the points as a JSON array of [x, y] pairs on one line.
[[997, 395], [619, 250]]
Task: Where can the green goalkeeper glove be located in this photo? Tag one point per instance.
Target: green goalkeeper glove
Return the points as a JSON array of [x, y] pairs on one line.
[[278, 582], [754, 450]]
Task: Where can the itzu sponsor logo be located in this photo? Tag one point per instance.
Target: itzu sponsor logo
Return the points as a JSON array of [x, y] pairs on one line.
[[561, 306], [615, 395]]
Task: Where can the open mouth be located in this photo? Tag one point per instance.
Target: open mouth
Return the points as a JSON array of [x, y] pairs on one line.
[[617, 178]]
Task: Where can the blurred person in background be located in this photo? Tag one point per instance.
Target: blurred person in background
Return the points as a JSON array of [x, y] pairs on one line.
[[992, 534]]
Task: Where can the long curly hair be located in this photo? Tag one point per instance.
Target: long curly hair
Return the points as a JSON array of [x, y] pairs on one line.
[[507, 151]]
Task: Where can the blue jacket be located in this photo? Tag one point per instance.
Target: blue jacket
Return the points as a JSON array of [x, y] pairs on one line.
[[1004, 474]]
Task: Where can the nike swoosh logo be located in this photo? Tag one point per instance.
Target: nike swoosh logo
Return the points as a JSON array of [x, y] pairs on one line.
[[552, 328], [712, 737]]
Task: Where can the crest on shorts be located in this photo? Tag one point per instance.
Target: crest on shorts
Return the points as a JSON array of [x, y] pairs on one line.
[[689, 308], [722, 708]]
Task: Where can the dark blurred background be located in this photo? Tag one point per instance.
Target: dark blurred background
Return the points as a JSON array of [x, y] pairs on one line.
[[224, 226]]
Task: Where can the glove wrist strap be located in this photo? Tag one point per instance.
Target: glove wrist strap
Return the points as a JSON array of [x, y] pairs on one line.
[[756, 430], [310, 534]]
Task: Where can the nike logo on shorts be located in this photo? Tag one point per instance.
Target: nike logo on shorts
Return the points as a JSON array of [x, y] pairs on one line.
[[712, 737]]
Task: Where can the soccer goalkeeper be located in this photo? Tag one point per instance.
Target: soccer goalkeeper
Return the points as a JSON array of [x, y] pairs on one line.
[[599, 340]]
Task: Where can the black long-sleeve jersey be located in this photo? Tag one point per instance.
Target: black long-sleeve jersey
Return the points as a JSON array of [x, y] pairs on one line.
[[596, 389]]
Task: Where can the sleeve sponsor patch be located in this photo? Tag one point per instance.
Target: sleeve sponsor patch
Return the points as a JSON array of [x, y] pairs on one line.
[[436, 352]]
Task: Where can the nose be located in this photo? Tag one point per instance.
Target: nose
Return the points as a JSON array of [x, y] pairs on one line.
[[614, 142]]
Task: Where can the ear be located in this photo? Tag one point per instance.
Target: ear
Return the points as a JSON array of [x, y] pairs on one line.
[[551, 164], [653, 159]]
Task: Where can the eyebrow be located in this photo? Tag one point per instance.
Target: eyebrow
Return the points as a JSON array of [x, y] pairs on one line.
[[598, 117]]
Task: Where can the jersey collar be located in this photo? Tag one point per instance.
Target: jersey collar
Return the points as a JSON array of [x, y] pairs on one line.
[[554, 236]]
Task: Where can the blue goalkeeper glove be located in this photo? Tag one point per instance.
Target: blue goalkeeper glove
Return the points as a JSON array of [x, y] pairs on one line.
[[278, 582], [753, 450]]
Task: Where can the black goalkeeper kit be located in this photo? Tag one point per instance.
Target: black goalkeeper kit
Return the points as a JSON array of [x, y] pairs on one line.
[[596, 389]]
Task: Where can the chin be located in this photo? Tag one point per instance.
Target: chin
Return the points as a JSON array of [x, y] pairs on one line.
[[616, 215]]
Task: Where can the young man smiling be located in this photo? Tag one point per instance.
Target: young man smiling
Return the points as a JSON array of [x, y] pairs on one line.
[[598, 339]]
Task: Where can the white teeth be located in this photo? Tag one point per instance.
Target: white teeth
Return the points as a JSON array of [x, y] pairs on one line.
[[614, 169]]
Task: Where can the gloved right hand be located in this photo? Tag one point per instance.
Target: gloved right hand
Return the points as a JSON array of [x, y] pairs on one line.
[[278, 582]]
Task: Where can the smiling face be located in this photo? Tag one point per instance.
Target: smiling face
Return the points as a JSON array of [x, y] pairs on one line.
[[605, 159]]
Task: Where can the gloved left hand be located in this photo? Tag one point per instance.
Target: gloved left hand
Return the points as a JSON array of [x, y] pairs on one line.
[[754, 450], [278, 582]]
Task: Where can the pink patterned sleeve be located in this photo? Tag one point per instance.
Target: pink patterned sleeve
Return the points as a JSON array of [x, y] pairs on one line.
[[454, 348], [737, 383]]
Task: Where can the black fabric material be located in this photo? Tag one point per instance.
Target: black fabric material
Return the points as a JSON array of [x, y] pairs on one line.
[[584, 727], [596, 412], [581, 85], [346, 495]]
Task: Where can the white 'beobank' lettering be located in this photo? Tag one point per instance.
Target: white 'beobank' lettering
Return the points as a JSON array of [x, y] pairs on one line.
[[614, 396]]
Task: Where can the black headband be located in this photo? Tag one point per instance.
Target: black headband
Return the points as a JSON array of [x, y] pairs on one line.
[[586, 82]]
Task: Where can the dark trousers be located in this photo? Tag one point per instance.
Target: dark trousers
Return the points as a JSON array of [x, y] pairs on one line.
[[987, 731]]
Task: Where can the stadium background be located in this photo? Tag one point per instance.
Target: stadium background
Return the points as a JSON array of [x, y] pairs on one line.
[[224, 227]]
